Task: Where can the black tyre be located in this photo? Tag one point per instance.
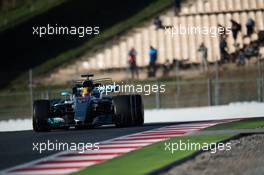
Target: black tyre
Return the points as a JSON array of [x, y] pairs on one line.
[[128, 110], [138, 116], [41, 113]]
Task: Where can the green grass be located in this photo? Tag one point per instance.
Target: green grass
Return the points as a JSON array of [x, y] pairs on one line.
[[243, 124], [25, 11], [97, 43], [149, 158]]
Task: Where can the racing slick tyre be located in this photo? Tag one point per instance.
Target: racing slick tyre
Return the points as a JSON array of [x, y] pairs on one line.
[[41, 113], [138, 116], [128, 110]]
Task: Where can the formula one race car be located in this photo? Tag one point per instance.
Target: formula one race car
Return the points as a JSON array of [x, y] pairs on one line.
[[87, 106]]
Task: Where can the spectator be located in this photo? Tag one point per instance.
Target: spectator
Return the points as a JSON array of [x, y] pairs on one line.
[[261, 38], [250, 26], [223, 48], [251, 50], [175, 64], [133, 63], [166, 68], [223, 33], [176, 6], [153, 53], [235, 28], [203, 56], [241, 58], [158, 23]]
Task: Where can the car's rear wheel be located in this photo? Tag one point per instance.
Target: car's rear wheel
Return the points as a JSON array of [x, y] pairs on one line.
[[128, 110], [139, 110], [41, 113]]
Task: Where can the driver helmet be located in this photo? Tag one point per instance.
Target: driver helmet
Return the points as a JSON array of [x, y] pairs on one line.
[[87, 87]]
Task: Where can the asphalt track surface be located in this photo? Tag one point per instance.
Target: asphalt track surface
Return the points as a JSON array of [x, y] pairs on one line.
[[17, 147]]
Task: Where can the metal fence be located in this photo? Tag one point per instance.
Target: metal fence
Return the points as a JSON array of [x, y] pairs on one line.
[[206, 93], [19, 104], [178, 94]]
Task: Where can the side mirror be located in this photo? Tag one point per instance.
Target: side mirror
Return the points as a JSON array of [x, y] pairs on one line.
[[65, 94]]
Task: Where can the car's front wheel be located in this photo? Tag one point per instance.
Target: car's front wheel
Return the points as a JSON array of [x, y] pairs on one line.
[[41, 113]]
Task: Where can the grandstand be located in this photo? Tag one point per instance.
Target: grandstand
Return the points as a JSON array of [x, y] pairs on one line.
[[200, 13]]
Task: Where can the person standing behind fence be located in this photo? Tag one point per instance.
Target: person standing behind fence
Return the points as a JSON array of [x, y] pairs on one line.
[[203, 56], [223, 50], [133, 63], [223, 29], [158, 23], [152, 62], [176, 6], [241, 58], [250, 26], [166, 68], [235, 28]]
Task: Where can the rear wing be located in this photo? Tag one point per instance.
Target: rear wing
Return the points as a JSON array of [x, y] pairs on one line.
[[87, 76], [97, 82]]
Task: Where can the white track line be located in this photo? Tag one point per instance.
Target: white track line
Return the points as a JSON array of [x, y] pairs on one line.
[[81, 164], [46, 172], [87, 157]]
